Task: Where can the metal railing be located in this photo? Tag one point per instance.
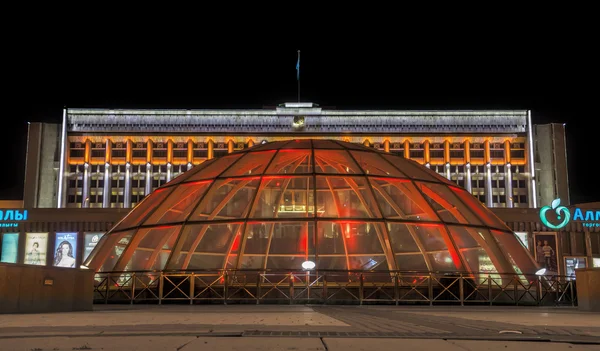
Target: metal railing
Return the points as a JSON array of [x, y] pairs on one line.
[[333, 287]]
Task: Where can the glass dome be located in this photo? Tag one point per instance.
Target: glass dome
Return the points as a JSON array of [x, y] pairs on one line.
[[340, 205]]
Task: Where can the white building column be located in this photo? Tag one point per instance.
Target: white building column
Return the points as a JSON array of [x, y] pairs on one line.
[[106, 191], [508, 188], [148, 189], [189, 166], [447, 169], [169, 172], [468, 178], [86, 186], [127, 191], [488, 185]]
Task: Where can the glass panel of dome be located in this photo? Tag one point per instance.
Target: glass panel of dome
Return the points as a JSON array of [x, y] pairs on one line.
[[116, 245], [273, 145], [407, 167], [188, 174], [237, 242], [180, 203], [447, 205], [298, 144], [189, 241], [206, 262], [325, 144], [217, 238], [402, 238], [442, 261], [161, 261], [292, 238], [337, 198], [284, 197], [520, 258], [399, 199], [331, 263], [330, 240], [252, 262], [291, 161], [231, 261], [431, 236], [486, 215], [372, 163], [478, 261], [361, 237], [143, 209], [335, 161], [215, 168], [368, 263], [252, 163], [149, 243], [227, 199], [286, 263], [355, 146], [415, 263], [466, 237], [257, 238]]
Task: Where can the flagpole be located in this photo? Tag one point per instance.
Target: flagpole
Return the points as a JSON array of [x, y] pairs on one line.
[[298, 75]]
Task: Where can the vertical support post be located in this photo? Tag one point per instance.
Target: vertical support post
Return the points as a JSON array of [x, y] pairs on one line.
[[430, 288], [291, 283], [108, 279], [133, 279], [324, 289], [396, 288], [192, 279], [258, 278], [161, 283], [461, 285], [490, 289], [225, 287], [361, 293]]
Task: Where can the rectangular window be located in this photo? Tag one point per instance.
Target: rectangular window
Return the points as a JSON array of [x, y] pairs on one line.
[[416, 153], [517, 153], [77, 152], [497, 153], [98, 153], [139, 153], [180, 153], [436, 153], [477, 153], [457, 153]]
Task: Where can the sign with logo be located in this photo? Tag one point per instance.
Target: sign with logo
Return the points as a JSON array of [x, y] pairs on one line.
[[90, 242], [12, 218], [557, 217]]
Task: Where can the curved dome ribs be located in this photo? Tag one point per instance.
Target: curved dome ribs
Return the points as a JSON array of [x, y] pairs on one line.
[[342, 205]]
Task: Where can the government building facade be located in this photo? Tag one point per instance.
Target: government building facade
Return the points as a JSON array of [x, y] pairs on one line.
[[85, 174], [100, 158]]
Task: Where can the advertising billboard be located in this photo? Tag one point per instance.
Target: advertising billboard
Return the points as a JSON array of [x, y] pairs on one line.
[[90, 242], [65, 250], [36, 245], [10, 246]]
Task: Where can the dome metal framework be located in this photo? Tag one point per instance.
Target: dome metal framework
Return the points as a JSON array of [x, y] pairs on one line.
[[340, 205]]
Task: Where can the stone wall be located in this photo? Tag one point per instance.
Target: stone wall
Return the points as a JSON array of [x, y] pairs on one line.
[[37, 289]]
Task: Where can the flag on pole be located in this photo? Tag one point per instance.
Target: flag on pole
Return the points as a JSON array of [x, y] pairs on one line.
[[298, 68]]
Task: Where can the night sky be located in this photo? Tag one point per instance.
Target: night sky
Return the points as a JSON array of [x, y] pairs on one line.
[[542, 75]]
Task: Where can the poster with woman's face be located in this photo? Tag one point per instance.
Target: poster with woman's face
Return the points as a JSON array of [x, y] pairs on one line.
[[65, 250], [546, 253], [35, 248]]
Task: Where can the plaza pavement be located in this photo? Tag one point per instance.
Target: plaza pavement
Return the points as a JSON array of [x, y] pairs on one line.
[[297, 327]]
